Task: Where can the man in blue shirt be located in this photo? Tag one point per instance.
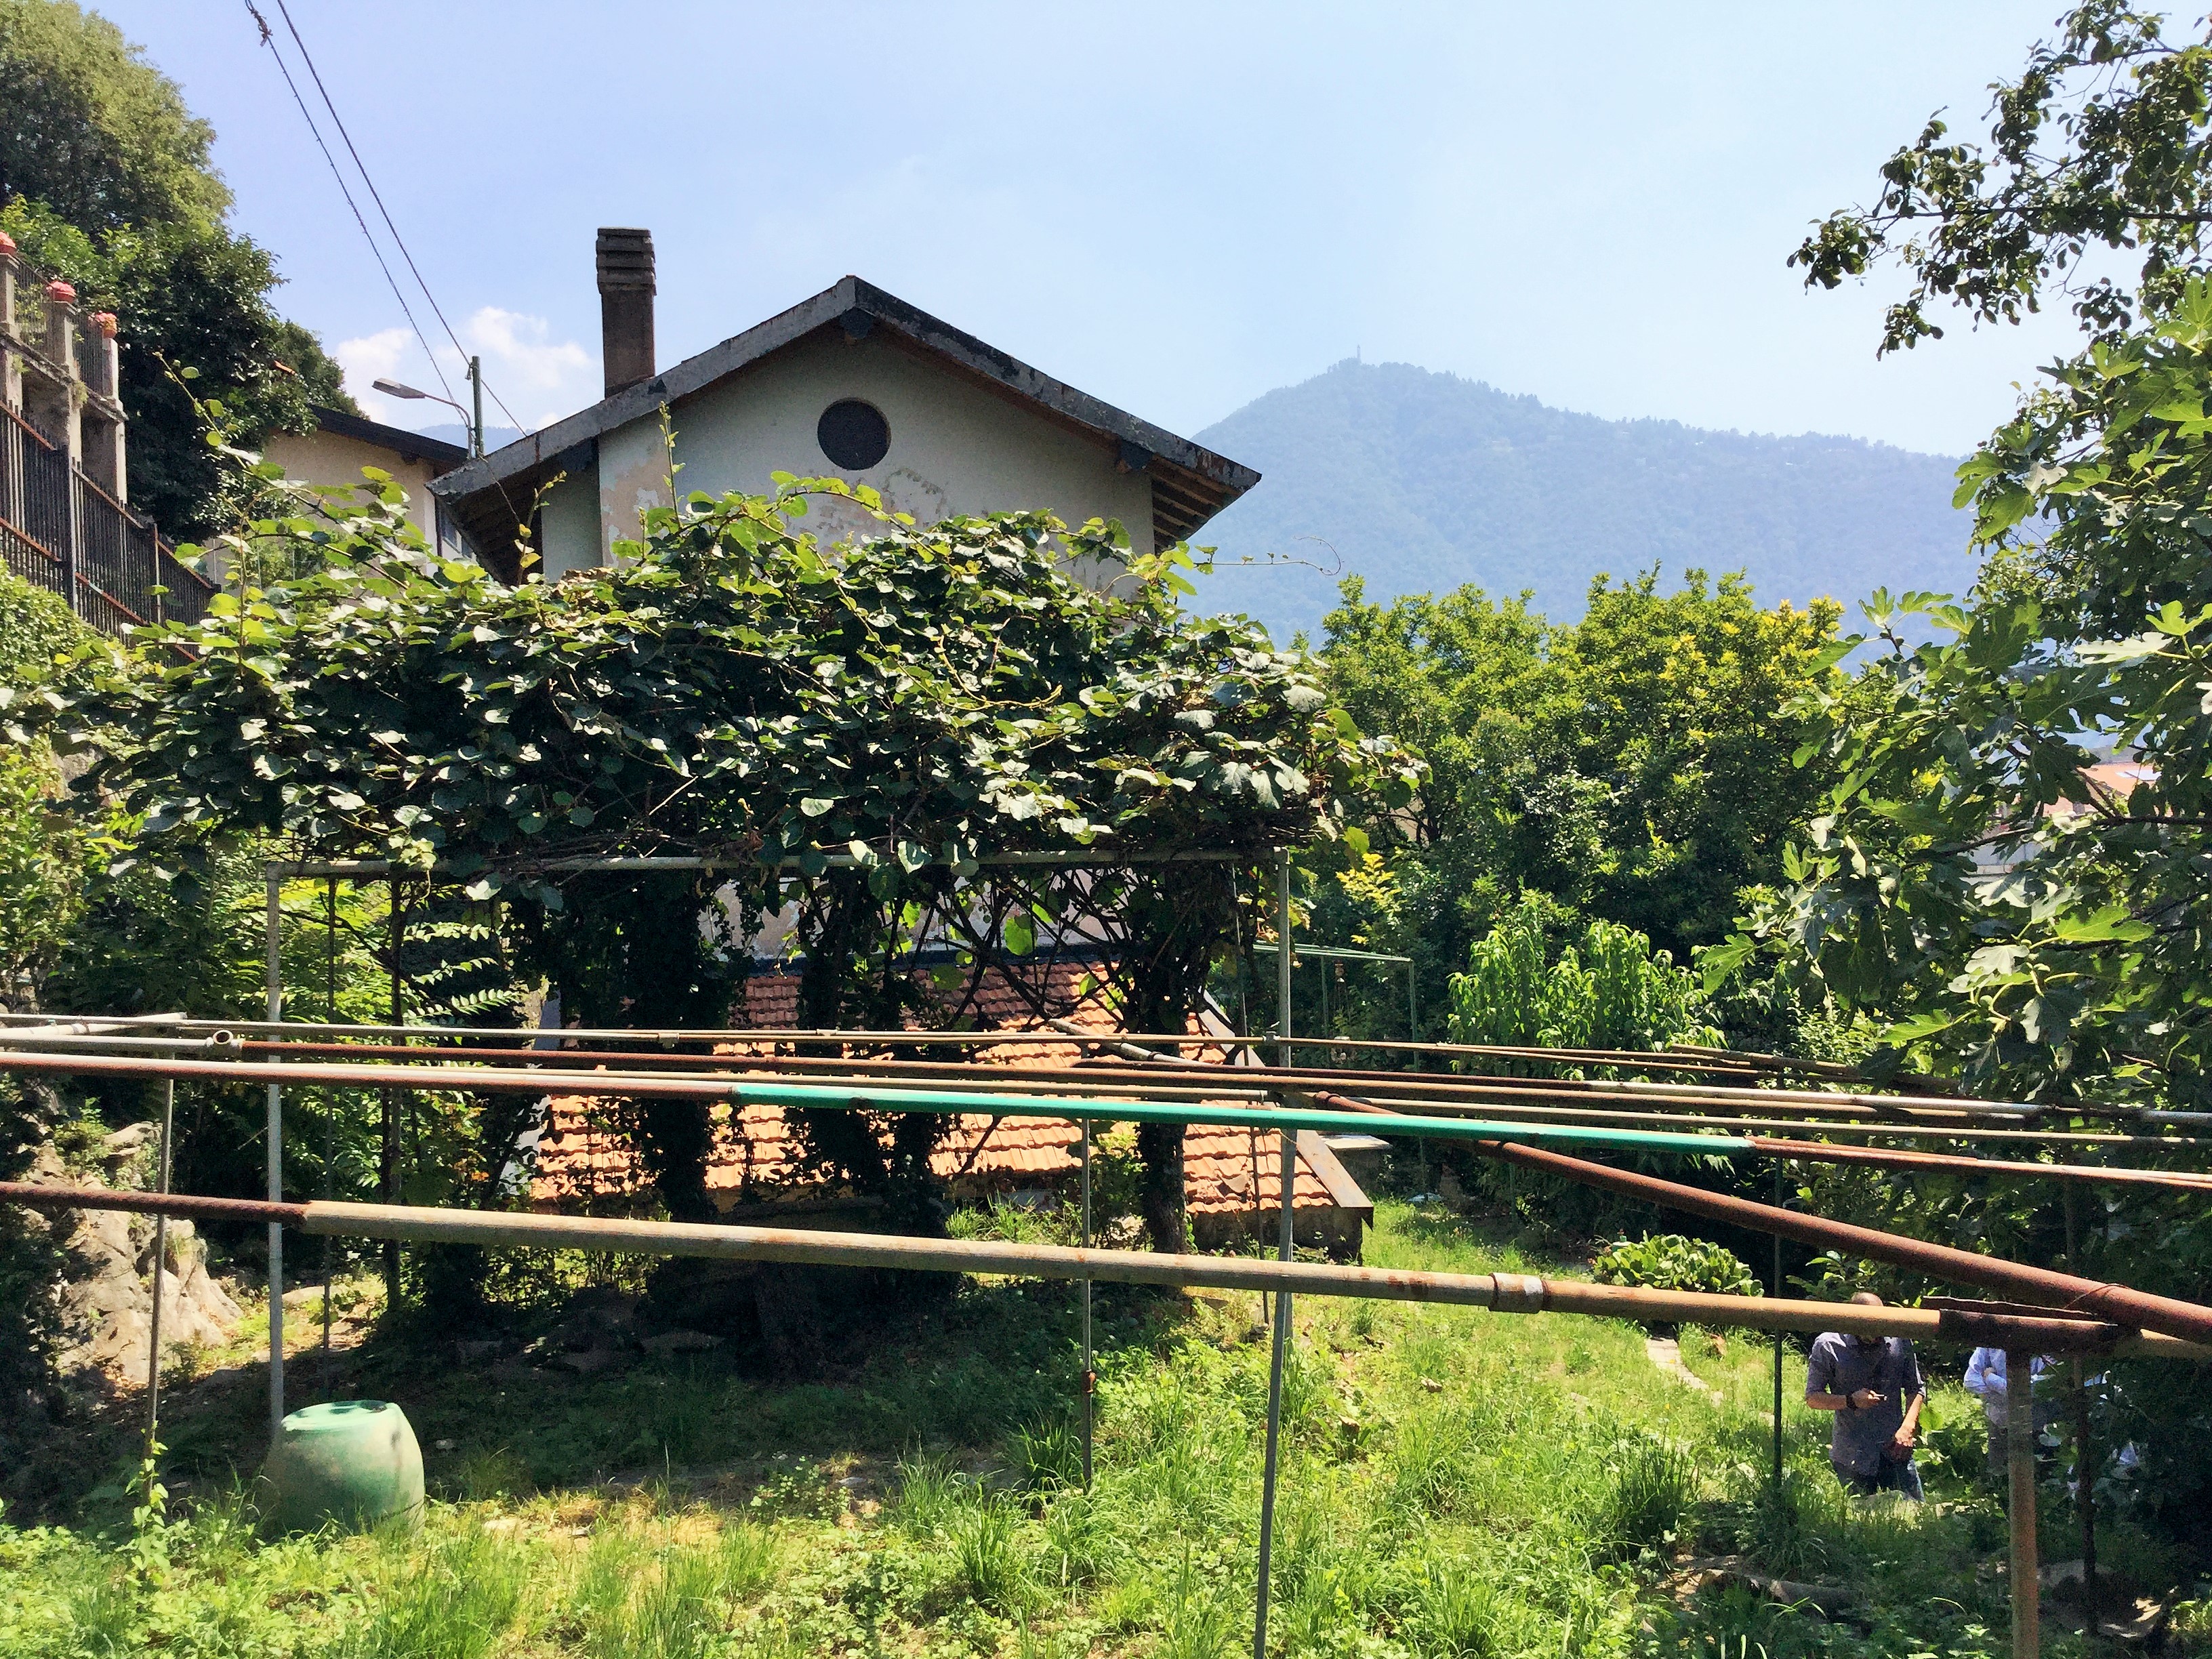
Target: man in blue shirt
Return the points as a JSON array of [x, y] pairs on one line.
[[1872, 1383]]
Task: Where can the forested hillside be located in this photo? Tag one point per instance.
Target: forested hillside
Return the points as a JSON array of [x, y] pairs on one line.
[[1421, 482]]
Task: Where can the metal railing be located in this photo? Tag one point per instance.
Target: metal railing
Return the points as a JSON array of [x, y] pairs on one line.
[[61, 532]]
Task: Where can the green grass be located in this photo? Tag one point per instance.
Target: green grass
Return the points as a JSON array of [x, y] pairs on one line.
[[1453, 1483]]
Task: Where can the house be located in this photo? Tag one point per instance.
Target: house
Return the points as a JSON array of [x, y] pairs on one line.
[[66, 524], [341, 445], [854, 382]]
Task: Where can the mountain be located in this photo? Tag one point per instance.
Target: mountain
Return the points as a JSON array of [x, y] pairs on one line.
[[1419, 481]]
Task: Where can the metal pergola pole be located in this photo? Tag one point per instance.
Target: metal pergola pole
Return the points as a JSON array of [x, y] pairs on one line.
[[1285, 955], [1777, 1346], [161, 1260], [1275, 1397], [1090, 1370], [276, 1132], [2019, 1458]]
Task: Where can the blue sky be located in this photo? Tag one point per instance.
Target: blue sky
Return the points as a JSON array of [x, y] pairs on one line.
[[1177, 206]]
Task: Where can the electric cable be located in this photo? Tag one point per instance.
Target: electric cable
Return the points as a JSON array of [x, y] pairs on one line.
[[377, 197], [268, 40]]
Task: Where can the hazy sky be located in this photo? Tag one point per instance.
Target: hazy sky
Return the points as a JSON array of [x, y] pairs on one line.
[[1176, 207]]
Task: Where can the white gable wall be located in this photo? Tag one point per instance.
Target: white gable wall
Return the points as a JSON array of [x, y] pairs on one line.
[[955, 448]]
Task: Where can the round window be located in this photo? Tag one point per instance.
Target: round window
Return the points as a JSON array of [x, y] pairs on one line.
[[854, 435]]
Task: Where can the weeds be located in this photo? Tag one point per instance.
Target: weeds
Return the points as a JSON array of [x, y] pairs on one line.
[[1653, 1483], [1491, 1506]]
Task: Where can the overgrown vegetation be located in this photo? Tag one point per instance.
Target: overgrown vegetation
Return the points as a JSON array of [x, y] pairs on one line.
[[1453, 1483]]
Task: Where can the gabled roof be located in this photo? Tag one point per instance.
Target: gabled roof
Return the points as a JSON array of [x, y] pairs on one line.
[[1190, 485], [408, 445]]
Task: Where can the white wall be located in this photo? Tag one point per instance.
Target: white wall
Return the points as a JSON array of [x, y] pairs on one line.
[[329, 457], [955, 449]]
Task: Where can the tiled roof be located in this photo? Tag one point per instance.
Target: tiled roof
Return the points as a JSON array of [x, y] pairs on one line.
[[583, 1159]]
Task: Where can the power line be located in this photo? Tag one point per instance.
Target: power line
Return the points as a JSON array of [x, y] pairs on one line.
[[268, 40], [377, 197]]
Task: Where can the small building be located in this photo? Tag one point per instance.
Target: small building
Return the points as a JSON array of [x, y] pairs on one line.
[[1232, 1177], [66, 523], [341, 445], [854, 382]]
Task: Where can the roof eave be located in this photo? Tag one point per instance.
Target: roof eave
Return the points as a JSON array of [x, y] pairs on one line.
[[1204, 482]]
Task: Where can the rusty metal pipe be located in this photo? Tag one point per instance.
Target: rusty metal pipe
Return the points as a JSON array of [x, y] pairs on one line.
[[2117, 1303], [1883, 1157], [859, 1094], [186, 1207], [1499, 1292]]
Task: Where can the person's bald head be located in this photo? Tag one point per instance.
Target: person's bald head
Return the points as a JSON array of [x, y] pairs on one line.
[[1867, 1299]]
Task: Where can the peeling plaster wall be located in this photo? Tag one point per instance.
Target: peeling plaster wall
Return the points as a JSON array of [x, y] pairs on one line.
[[955, 448], [568, 524]]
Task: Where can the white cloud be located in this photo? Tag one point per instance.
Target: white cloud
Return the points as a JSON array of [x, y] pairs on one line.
[[539, 378]]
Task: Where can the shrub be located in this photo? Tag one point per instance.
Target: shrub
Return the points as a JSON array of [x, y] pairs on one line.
[[1673, 1262]]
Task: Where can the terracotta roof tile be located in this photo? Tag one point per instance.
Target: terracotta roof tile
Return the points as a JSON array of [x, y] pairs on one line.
[[584, 1159]]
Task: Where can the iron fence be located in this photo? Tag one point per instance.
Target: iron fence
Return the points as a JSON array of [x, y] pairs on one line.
[[55, 524], [34, 504]]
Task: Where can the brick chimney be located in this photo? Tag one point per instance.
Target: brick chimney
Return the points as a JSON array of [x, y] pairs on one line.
[[625, 263]]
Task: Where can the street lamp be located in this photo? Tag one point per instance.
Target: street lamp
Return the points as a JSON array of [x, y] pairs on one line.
[[474, 425]]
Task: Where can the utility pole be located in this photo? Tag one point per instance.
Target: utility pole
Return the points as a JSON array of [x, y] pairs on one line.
[[475, 396]]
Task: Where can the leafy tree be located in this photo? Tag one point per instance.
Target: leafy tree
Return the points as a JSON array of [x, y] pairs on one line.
[[2009, 873], [2028, 922], [92, 130], [105, 181], [2102, 143], [1634, 766], [729, 688]]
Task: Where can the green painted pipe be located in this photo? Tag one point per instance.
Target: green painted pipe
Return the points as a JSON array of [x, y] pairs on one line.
[[1236, 1117]]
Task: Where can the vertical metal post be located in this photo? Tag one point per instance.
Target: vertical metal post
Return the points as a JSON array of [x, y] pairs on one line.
[[330, 1120], [387, 1173], [1413, 1010], [1090, 1371], [1275, 1383], [276, 1175], [160, 1258], [1777, 1344], [2019, 1456], [2085, 1467], [476, 392], [1283, 954]]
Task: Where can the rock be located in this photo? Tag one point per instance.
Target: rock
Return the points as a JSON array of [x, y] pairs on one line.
[[113, 1304], [1665, 1353], [591, 1361], [1830, 1600], [1429, 1385], [681, 1342], [127, 1143]]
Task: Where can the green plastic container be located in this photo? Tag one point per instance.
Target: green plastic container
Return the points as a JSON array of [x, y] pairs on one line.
[[354, 1461]]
